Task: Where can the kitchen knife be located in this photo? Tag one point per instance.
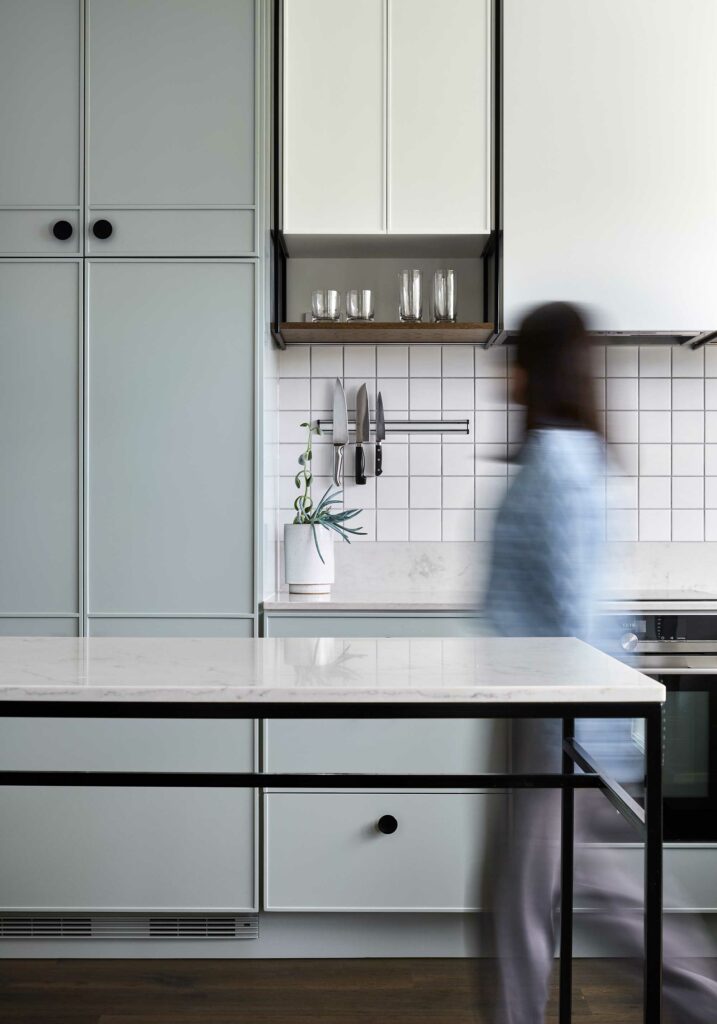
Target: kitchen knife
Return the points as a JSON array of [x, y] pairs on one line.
[[380, 434], [362, 433], [340, 431]]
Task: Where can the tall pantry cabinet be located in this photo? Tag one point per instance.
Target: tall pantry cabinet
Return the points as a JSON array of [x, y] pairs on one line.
[[128, 267], [127, 278]]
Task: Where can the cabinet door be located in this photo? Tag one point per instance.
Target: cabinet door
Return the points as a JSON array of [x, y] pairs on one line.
[[610, 125], [171, 126], [439, 90], [39, 445], [334, 124], [170, 408], [39, 125], [76, 848]]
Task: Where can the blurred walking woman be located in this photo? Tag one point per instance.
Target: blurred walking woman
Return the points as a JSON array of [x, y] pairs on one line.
[[543, 581]]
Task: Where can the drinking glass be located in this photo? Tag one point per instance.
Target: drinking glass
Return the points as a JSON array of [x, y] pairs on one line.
[[410, 304], [325, 304], [444, 296], [359, 304]]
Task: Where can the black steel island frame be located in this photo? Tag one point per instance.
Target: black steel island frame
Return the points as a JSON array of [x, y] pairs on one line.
[[646, 820]]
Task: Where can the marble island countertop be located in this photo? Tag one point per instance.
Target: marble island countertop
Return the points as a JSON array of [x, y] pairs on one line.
[[484, 670]]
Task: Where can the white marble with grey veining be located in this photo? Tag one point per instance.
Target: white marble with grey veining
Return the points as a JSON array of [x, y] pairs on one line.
[[342, 599], [489, 670], [658, 600]]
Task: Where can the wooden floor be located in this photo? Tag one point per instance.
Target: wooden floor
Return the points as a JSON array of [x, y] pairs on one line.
[[287, 992]]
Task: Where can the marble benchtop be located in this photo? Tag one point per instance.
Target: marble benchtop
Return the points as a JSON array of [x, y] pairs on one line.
[[343, 671]]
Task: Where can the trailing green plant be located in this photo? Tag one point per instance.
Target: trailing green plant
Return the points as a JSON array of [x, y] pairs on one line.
[[324, 514]]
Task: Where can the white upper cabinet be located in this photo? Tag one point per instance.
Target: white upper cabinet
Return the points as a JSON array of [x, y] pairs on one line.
[[386, 117], [170, 145], [334, 117], [40, 77], [439, 90], [610, 190]]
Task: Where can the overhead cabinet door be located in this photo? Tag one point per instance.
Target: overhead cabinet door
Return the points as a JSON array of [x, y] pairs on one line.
[[39, 446], [439, 92], [334, 148], [40, 127], [170, 410], [610, 193], [171, 127]]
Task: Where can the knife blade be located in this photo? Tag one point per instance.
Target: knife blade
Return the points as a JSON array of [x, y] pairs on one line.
[[362, 433], [340, 430], [380, 434]]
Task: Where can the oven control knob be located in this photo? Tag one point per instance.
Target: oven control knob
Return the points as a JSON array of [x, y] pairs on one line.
[[629, 641]]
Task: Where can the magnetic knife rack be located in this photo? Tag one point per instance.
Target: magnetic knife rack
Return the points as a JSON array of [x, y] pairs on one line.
[[406, 426]]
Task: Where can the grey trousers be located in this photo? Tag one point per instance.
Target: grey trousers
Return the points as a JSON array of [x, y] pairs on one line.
[[526, 912]]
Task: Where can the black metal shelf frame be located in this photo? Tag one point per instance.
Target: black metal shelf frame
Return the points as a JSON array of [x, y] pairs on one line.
[[646, 821], [491, 254]]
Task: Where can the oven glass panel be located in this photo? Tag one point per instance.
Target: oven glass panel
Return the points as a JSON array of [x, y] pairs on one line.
[[687, 740], [690, 758]]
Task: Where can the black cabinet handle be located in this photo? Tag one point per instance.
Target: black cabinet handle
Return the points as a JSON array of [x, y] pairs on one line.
[[102, 229], [387, 824], [62, 229]]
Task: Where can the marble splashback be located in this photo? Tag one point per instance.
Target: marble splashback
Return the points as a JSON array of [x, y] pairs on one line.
[[447, 567]]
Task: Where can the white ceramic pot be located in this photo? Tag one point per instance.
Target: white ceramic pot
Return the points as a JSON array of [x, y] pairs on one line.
[[303, 569]]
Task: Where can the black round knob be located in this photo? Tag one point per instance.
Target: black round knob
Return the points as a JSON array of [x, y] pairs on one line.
[[387, 824], [62, 229], [102, 229]]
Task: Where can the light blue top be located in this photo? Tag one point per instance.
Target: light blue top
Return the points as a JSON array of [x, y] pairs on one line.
[[548, 538], [546, 562]]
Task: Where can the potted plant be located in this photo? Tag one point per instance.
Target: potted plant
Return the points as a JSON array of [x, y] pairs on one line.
[[309, 540]]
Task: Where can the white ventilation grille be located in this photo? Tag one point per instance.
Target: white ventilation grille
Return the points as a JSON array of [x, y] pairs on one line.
[[130, 926]]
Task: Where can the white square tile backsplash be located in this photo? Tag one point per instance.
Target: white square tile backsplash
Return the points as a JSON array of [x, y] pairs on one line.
[[660, 421]]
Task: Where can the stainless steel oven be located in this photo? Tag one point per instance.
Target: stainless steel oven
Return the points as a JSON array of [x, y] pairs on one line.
[[681, 651]]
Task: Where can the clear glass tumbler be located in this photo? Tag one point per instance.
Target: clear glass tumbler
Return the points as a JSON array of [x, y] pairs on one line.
[[359, 304], [325, 304], [444, 296], [410, 292]]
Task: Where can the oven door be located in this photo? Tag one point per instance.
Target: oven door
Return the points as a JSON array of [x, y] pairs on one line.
[[690, 757]]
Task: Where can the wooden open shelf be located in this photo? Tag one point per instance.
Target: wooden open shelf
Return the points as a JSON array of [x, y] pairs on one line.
[[343, 333]]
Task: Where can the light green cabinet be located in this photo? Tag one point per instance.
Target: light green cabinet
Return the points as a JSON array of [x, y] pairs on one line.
[[93, 849], [40, 126], [40, 312], [370, 624], [170, 127], [170, 423]]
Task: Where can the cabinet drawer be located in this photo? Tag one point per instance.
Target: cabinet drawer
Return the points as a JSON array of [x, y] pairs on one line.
[[173, 233], [324, 851], [690, 875], [78, 848], [314, 625], [386, 745], [29, 233], [97, 744]]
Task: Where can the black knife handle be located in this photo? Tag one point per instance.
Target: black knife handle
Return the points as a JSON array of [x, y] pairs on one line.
[[360, 465], [379, 459]]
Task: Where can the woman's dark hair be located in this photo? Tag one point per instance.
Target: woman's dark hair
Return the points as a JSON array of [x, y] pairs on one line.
[[555, 351]]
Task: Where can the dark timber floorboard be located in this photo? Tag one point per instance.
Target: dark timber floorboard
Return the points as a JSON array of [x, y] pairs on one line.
[[288, 992]]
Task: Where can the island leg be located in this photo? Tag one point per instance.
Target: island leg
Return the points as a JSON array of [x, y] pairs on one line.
[[652, 1006], [567, 849]]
